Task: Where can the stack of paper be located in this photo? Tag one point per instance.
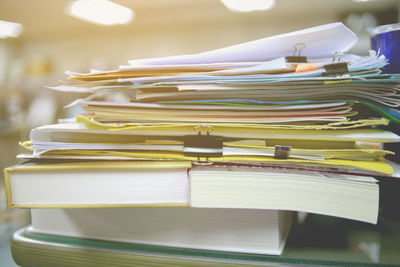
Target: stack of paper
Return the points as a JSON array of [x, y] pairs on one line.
[[299, 92], [289, 122]]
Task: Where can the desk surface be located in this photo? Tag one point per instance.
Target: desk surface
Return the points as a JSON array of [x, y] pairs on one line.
[[321, 240]]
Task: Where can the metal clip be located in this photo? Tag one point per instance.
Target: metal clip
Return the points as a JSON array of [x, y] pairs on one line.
[[203, 145], [297, 58], [207, 127], [282, 152], [336, 67]]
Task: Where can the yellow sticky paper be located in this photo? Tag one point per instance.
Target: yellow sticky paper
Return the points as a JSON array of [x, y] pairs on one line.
[[336, 82]]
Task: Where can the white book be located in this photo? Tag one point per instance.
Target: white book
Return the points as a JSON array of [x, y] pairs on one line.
[[236, 230]]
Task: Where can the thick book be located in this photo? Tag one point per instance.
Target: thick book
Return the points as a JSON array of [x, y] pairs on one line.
[[348, 196], [32, 249], [97, 184], [236, 230], [133, 184]]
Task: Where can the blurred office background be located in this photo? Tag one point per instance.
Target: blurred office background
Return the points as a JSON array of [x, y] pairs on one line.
[[47, 40]]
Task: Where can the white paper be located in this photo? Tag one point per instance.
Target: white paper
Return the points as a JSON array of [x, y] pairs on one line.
[[218, 65], [44, 133], [319, 41], [70, 89], [272, 66], [212, 107]]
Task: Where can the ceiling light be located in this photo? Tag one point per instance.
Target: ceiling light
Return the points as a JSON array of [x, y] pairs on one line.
[[9, 29], [100, 12], [248, 5]]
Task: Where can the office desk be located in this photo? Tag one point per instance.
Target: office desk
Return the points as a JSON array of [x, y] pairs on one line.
[[321, 240]]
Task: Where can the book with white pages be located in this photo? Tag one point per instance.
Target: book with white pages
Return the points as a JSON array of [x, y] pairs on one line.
[[234, 230]]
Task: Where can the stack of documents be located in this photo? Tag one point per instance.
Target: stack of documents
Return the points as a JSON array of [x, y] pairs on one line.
[[289, 122], [292, 100]]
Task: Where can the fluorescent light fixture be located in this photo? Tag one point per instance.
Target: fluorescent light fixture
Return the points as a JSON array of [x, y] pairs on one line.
[[248, 5], [9, 29], [100, 12]]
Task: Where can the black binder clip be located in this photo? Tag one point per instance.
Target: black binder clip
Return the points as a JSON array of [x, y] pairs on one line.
[[282, 152], [203, 145], [338, 67], [297, 58]]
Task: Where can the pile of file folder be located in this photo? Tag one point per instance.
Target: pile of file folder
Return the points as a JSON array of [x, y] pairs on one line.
[[296, 102]]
